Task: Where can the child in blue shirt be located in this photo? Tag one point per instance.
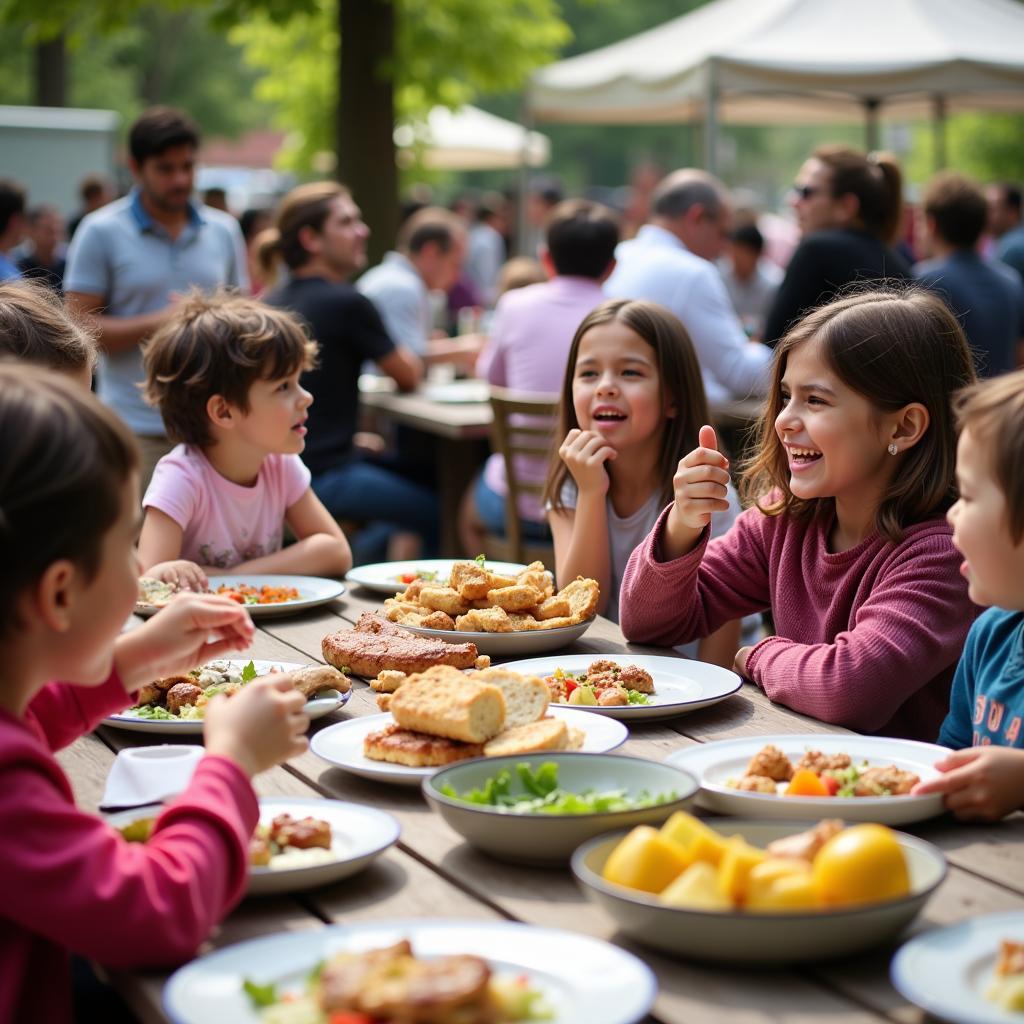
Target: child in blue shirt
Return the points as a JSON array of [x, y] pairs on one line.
[[984, 778]]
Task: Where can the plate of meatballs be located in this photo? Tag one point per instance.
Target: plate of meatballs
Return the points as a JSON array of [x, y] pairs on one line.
[[631, 687], [805, 777], [176, 705]]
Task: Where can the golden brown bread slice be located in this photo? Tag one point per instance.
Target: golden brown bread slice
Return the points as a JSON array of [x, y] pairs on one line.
[[417, 750], [582, 595], [457, 708], [547, 734], [526, 697], [516, 598], [553, 607]]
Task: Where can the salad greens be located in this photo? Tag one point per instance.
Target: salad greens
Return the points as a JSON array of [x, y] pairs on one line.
[[543, 795]]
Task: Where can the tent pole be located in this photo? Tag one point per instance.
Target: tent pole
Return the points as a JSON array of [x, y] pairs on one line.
[[711, 120], [871, 106], [939, 131], [526, 121]]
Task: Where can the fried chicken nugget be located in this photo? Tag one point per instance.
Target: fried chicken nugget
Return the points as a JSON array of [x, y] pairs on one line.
[[756, 784], [484, 620], [772, 763], [520, 621], [582, 595], [535, 575], [438, 620], [387, 681], [407, 618], [516, 598], [470, 580], [443, 599]]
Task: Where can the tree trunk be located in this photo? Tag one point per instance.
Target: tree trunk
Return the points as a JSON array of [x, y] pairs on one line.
[[51, 73], [366, 116]]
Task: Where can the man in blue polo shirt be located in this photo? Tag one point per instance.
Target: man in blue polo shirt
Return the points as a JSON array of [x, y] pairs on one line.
[[130, 260]]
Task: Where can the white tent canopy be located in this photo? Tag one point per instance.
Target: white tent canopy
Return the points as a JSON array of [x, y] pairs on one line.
[[773, 61], [470, 139]]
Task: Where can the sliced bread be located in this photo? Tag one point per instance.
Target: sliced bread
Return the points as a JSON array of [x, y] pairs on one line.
[[547, 734], [458, 709], [526, 697]]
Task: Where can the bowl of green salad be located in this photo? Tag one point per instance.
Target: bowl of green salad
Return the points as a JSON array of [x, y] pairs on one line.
[[537, 808]]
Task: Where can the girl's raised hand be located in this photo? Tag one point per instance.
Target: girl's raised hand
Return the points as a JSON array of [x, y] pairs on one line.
[[584, 454], [700, 489], [191, 630], [261, 725]]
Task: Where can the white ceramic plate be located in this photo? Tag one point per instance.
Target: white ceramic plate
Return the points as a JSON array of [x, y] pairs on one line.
[[342, 744], [947, 970], [313, 591], [386, 577], [738, 938], [524, 641], [582, 979], [715, 763], [457, 391], [324, 704], [680, 685], [359, 835]]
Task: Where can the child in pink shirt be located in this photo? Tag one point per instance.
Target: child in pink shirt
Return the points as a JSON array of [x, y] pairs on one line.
[[70, 883], [225, 372], [846, 542]]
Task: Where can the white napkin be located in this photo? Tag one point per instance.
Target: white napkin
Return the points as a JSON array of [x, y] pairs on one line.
[[148, 775]]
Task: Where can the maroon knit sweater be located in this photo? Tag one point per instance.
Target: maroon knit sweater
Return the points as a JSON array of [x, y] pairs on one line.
[[866, 638]]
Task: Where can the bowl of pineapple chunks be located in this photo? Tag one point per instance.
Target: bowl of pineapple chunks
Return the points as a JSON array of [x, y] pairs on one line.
[[757, 892]]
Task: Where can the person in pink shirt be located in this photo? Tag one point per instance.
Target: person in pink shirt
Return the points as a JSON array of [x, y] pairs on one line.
[[846, 541], [527, 349], [224, 372], [71, 884]]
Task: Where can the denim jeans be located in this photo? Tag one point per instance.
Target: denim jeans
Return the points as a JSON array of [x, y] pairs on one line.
[[490, 507], [384, 500]]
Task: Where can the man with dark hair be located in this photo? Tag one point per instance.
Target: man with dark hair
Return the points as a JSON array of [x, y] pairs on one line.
[[1006, 225], [751, 281], [529, 345], [986, 296], [95, 191], [12, 226], [43, 253], [430, 250], [671, 262], [130, 260]]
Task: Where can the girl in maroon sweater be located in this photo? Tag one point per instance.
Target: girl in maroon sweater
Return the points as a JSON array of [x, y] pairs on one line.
[[69, 518], [846, 541]]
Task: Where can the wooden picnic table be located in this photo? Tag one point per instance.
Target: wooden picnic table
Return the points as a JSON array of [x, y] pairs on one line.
[[433, 873]]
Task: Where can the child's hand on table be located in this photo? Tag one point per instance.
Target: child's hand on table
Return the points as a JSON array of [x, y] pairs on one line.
[[585, 453], [181, 573], [980, 783], [191, 630], [260, 726]]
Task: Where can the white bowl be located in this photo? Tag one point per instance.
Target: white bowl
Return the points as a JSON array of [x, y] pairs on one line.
[[551, 838], [523, 641], [741, 937]]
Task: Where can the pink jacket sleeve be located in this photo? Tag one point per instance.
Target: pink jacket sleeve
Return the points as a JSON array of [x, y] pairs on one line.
[[672, 603], [911, 628], [65, 711], [72, 879]]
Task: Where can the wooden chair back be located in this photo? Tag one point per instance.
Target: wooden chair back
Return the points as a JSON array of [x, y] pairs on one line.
[[524, 425]]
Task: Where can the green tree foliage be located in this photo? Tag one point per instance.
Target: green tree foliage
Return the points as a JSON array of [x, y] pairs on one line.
[[446, 52], [987, 146]]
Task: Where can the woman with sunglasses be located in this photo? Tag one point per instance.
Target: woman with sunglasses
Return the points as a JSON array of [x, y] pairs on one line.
[[848, 207]]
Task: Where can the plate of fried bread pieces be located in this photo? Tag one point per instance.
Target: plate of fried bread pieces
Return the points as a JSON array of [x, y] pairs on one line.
[[521, 614], [443, 715], [176, 705]]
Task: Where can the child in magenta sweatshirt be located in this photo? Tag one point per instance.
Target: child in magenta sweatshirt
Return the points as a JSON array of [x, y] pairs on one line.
[[846, 541], [71, 884]]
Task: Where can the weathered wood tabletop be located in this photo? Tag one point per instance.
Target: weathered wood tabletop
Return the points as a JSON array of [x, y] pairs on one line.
[[433, 873]]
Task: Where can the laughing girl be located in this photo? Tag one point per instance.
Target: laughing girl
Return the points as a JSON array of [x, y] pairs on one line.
[[846, 541]]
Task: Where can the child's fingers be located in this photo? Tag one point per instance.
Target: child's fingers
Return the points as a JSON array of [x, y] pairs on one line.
[[957, 758], [704, 457], [218, 648]]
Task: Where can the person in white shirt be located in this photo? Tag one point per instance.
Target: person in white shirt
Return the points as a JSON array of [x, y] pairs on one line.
[[671, 262]]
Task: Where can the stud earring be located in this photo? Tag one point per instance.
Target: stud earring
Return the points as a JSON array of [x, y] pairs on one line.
[[893, 450]]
